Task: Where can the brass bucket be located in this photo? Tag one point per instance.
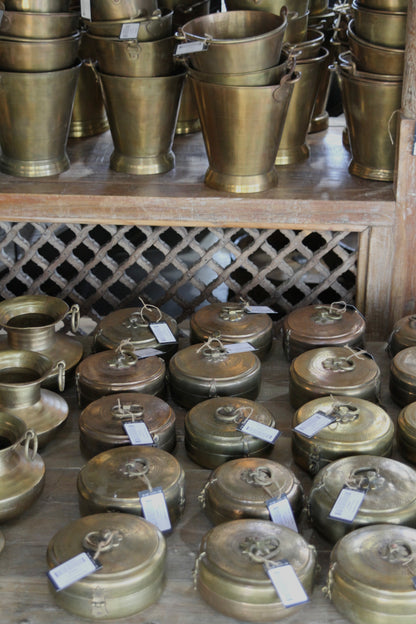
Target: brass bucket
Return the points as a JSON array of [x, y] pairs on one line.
[[188, 118], [38, 55], [369, 101], [293, 147], [142, 113], [242, 127], [272, 6], [121, 9], [38, 6], [372, 58], [320, 116], [297, 27], [36, 115], [156, 26], [309, 47], [385, 5], [385, 28], [39, 25]]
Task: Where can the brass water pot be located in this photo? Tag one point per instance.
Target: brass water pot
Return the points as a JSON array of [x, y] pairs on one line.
[[39, 25]]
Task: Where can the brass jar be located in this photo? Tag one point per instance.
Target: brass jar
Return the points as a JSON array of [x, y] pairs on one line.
[[118, 370], [21, 376], [406, 432], [333, 370], [403, 334], [212, 436], [230, 574], [22, 470], [206, 370], [403, 376], [310, 327], [390, 493], [240, 488], [101, 422], [370, 575], [359, 428], [132, 553], [112, 480], [233, 323]]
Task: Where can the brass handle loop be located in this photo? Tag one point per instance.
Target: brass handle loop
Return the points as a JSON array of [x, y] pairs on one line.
[[260, 477], [75, 316], [328, 314], [124, 357], [232, 313], [366, 478], [138, 319], [232, 414], [101, 541], [397, 552], [260, 550], [31, 437], [138, 468], [344, 413], [129, 411], [213, 349], [338, 365]]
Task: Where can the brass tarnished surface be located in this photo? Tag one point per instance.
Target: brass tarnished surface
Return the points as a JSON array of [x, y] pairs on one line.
[[317, 326], [403, 367]]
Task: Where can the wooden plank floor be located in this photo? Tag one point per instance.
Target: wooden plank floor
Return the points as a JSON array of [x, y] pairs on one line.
[[24, 594]]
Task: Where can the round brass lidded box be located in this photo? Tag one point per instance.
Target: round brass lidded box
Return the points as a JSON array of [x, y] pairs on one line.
[[403, 376], [403, 334], [233, 323], [212, 436], [241, 487], [371, 575], [358, 427], [333, 370], [230, 570], [389, 487], [101, 423], [206, 370], [132, 553], [310, 327], [406, 432]]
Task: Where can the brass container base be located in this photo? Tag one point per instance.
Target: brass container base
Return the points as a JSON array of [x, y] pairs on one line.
[[370, 173], [319, 123], [241, 183], [88, 128], [141, 165], [34, 168], [292, 155], [188, 126]]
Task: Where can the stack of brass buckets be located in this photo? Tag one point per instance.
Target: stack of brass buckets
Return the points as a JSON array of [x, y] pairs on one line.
[[133, 45], [39, 68], [242, 92], [371, 76]]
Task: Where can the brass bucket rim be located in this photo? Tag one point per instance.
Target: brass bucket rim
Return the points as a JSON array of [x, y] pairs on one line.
[[35, 75], [34, 42], [369, 44], [41, 363], [376, 12], [349, 68]]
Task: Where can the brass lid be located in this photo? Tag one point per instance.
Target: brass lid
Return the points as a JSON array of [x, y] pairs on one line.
[[325, 325], [403, 334], [403, 367], [406, 423]]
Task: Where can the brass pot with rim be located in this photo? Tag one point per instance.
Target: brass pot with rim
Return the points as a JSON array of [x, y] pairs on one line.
[[402, 382]]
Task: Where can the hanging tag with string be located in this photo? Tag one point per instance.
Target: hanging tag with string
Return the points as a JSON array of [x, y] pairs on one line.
[[281, 512], [314, 424], [286, 583], [154, 508], [258, 430]]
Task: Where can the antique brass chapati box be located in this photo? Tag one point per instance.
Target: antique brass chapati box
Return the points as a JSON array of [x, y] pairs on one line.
[[406, 432], [358, 427], [132, 553], [403, 334], [403, 376], [230, 573], [372, 575]]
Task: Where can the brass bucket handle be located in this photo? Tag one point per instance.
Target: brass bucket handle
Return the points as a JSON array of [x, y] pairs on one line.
[[289, 78], [31, 437]]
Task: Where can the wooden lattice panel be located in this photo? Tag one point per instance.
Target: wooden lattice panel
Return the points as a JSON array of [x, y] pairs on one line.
[[105, 267]]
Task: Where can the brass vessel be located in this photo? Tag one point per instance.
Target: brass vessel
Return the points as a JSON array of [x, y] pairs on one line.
[[206, 370], [233, 323], [155, 26], [19, 54], [212, 436], [121, 10], [240, 489], [385, 28], [390, 493], [132, 553], [370, 575], [230, 573], [112, 480], [374, 58], [101, 422], [333, 370], [403, 334], [39, 25], [298, 7], [188, 118], [403, 376], [297, 26], [38, 6], [359, 428], [22, 470], [309, 47], [393, 6], [406, 432]]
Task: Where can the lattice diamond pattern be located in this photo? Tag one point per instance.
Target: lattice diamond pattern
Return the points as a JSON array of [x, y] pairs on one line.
[[105, 267]]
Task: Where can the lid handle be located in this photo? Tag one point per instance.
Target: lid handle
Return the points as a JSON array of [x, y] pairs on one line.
[[213, 349], [124, 356], [234, 311], [260, 550], [233, 414], [397, 551], [261, 477], [102, 541], [138, 468], [138, 319], [366, 478], [128, 411]]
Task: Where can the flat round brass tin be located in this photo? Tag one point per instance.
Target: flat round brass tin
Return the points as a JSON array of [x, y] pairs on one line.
[[233, 324], [360, 428], [201, 371], [141, 165], [240, 488], [110, 372], [112, 480], [403, 334], [132, 553], [241, 183], [211, 434], [403, 376], [101, 422], [370, 576], [406, 432], [309, 327], [390, 493], [230, 574], [333, 370]]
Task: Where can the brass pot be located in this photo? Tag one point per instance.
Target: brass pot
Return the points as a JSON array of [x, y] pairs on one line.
[[370, 575], [384, 28], [212, 436], [39, 25], [22, 471], [359, 428], [121, 9], [230, 574], [389, 487], [155, 26], [38, 55], [237, 41], [372, 58], [21, 376], [406, 432], [38, 6], [132, 553], [403, 334], [101, 422], [260, 78], [308, 48], [403, 376], [233, 324], [240, 488], [297, 27], [36, 117], [112, 481]]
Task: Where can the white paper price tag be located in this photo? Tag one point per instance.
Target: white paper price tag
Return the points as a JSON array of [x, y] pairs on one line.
[[145, 353], [239, 347], [85, 6], [260, 310], [162, 333], [190, 48], [138, 433], [1, 15], [259, 430], [129, 30], [347, 505], [281, 512], [287, 584], [73, 570], [314, 424], [155, 509]]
